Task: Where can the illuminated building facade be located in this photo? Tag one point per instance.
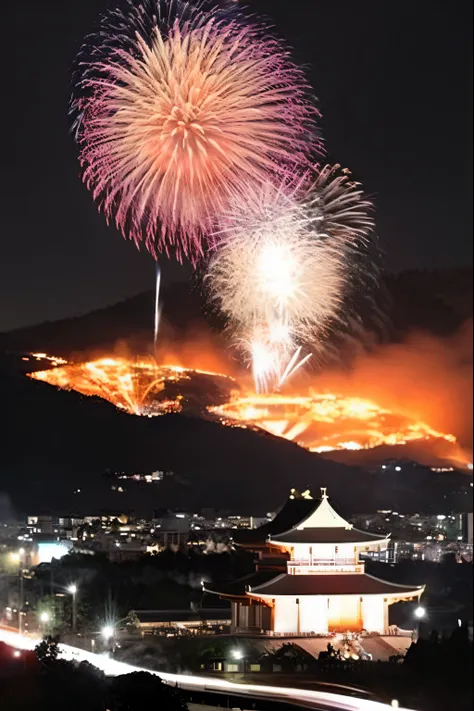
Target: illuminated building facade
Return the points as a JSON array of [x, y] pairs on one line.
[[324, 588]]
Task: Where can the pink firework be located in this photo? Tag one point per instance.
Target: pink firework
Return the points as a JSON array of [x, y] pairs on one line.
[[180, 111]]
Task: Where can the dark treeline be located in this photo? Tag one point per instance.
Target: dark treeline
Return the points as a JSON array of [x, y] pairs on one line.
[[45, 682], [173, 580]]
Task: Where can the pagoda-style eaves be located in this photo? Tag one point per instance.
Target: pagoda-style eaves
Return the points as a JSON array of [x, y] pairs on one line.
[[296, 509], [325, 587], [328, 535], [324, 525], [329, 585]]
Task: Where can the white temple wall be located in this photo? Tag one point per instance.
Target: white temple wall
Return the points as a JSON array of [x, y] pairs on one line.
[[285, 615], [374, 613], [314, 614]]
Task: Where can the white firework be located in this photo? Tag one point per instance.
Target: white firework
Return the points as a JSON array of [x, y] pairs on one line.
[[281, 270]]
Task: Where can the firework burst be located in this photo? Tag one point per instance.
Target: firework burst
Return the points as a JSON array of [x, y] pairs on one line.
[[282, 268], [181, 108]]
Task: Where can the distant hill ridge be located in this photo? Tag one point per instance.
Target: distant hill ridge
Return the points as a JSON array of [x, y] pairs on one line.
[[437, 301]]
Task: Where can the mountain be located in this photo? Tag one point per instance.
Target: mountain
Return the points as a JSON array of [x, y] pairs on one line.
[[437, 301], [128, 321], [56, 442]]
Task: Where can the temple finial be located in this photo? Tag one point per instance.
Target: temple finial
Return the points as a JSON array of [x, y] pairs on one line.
[[323, 492]]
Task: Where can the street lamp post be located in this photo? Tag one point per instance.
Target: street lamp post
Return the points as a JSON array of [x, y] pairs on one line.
[[22, 595], [420, 614], [73, 590], [44, 619], [18, 558], [239, 656], [108, 633]]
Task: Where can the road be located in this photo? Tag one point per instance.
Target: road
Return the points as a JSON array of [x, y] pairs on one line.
[[300, 698]]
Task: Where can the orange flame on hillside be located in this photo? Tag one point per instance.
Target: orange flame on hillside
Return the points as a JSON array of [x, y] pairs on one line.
[[324, 422], [140, 387], [320, 421]]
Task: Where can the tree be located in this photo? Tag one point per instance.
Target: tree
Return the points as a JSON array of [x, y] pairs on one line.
[[137, 691], [47, 651]]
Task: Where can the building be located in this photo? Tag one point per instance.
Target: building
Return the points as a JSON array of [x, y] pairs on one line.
[[191, 621], [324, 587], [171, 529], [468, 528]]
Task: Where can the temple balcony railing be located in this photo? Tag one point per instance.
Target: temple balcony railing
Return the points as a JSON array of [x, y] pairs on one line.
[[324, 561], [295, 568]]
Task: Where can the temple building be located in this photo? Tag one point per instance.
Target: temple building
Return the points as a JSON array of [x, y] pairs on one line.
[[309, 578]]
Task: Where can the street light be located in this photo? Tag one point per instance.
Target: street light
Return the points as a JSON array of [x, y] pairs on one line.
[[107, 632], [16, 557], [420, 612], [73, 590], [44, 618], [237, 654]]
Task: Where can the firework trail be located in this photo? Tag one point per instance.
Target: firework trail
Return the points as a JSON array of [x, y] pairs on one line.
[[178, 110], [157, 306], [283, 268]]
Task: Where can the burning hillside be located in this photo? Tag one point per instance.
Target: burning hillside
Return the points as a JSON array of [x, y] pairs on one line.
[[328, 422], [319, 421], [142, 387]]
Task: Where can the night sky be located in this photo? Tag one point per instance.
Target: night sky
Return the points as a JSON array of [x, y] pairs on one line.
[[394, 86]]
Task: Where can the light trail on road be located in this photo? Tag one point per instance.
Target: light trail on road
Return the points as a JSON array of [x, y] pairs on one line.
[[318, 700]]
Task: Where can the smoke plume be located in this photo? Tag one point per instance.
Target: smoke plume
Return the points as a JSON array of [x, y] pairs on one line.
[[425, 377]]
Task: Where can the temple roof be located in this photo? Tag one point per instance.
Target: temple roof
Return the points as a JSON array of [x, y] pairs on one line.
[[337, 584], [328, 535], [324, 525], [238, 588], [293, 511]]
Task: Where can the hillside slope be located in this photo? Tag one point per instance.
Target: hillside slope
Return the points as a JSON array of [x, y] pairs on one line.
[[56, 442]]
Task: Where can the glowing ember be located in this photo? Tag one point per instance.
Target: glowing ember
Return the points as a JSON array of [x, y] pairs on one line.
[[54, 360], [321, 422]]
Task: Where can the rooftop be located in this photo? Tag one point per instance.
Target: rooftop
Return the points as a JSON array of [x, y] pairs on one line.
[[328, 535], [337, 584], [187, 615], [238, 588], [324, 525], [296, 508]]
